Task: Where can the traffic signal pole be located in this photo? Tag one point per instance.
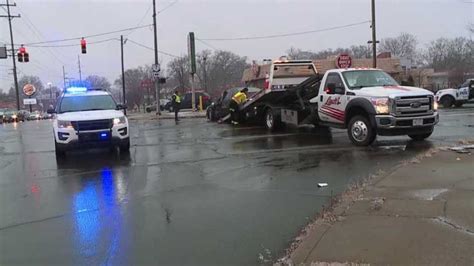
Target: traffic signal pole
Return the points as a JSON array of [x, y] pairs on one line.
[[123, 75], [15, 77], [156, 80]]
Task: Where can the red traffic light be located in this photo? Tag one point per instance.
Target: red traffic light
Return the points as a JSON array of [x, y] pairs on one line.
[[83, 46], [23, 56]]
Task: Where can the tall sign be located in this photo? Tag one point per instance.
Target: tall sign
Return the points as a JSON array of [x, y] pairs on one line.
[[192, 53]]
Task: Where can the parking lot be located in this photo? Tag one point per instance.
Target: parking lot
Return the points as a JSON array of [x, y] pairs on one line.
[[188, 193]]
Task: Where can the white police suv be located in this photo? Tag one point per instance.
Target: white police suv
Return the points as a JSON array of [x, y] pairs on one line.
[[88, 119]]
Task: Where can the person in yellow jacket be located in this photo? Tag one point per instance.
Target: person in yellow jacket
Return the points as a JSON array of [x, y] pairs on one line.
[[238, 99], [176, 103]]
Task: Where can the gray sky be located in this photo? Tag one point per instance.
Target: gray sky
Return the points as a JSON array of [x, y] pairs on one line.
[[55, 19]]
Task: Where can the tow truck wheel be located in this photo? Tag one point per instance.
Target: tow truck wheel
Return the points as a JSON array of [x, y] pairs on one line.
[[272, 122], [360, 131], [447, 101]]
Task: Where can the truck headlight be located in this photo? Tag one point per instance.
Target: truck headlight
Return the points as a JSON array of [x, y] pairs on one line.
[[381, 105], [119, 120], [435, 105], [14, 116], [64, 124]]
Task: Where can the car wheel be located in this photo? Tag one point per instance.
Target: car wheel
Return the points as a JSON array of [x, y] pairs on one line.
[[60, 152], [420, 137], [125, 146], [360, 131], [447, 101]]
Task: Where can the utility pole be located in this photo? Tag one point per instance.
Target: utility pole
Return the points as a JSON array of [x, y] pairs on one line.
[[79, 63], [123, 75], [15, 77], [374, 37], [157, 88], [64, 78]]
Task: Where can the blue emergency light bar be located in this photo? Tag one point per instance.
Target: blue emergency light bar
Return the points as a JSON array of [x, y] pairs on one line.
[[76, 89]]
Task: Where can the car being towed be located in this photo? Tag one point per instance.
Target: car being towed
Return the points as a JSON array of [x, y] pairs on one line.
[[219, 109]]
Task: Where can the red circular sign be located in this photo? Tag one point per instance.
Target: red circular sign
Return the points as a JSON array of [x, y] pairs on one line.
[[344, 61], [29, 89]]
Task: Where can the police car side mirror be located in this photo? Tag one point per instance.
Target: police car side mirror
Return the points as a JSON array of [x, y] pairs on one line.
[[50, 111], [121, 107]]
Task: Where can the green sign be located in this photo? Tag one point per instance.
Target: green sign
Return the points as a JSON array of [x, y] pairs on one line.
[[192, 53]]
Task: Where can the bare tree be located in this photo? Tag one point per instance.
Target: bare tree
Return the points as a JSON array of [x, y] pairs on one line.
[[404, 45], [98, 82], [133, 85]]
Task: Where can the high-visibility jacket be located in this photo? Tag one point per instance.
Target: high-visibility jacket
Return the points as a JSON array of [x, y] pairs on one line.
[[239, 97], [176, 98]]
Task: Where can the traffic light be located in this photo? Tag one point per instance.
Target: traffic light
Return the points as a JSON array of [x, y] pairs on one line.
[[23, 56], [83, 46]]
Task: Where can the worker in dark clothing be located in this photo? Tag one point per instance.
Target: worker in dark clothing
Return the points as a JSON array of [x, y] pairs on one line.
[[176, 102], [238, 99]]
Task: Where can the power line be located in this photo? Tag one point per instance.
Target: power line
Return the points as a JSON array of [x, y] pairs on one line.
[[89, 36], [149, 48], [166, 7], [72, 45], [141, 20], [206, 43], [286, 34]]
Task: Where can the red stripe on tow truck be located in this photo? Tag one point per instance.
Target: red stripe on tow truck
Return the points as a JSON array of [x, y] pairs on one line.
[[333, 115], [333, 110]]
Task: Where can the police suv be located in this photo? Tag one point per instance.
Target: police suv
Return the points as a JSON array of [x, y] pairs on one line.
[[88, 119]]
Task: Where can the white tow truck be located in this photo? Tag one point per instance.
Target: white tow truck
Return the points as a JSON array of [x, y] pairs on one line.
[[367, 102], [456, 96]]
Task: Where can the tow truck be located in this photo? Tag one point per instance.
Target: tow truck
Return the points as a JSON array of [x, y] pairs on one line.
[[456, 96], [365, 101]]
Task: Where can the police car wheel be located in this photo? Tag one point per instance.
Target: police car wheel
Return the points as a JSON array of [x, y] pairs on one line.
[[59, 151], [447, 101], [125, 146]]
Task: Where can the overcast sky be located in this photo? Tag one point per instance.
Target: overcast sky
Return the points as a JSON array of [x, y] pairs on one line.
[[55, 19]]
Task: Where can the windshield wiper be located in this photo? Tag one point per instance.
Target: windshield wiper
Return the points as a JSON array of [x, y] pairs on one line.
[[92, 109]]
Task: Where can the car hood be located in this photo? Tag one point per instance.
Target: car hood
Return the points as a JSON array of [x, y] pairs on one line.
[[89, 115], [391, 91]]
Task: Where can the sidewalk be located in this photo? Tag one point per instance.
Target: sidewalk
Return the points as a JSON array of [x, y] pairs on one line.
[[420, 213], [166, 115]]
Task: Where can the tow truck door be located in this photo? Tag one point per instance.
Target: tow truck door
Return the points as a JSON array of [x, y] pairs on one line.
[[332, 99]]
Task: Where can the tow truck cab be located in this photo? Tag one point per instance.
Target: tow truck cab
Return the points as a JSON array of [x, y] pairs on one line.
[[367, 102]]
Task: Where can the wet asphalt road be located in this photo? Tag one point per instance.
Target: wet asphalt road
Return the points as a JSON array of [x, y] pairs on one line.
[[193, 193]]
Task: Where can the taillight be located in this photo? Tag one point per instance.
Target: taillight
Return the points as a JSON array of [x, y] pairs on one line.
[[266, 84]]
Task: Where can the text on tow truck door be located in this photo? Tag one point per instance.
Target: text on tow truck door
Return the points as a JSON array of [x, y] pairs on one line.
[[332, 100]]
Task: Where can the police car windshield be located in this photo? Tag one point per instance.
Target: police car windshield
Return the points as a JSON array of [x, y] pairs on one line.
[[87, 103], [367, 78]]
